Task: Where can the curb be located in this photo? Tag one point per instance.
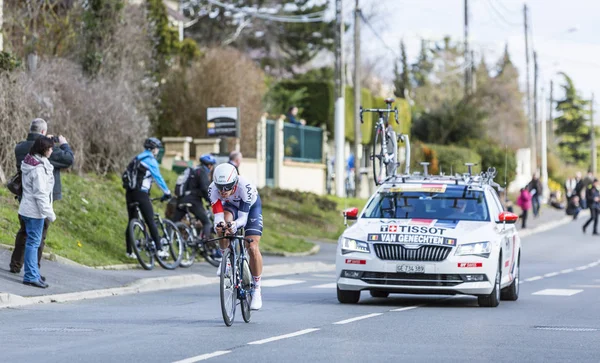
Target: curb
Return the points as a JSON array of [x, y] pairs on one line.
[[550, 225], [313, 251], [156, 284]]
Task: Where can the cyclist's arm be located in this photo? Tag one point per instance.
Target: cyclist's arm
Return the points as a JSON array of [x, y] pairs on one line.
[[204, 184], [152, 165], [247, 196], [242, 215], [217, 206]]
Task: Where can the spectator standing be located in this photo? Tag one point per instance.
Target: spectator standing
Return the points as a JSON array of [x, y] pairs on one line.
[[61, 158], [524, 202], [36, 204], [235, 159], [593, 197], [291, 116], [571, 185], [535, 189]]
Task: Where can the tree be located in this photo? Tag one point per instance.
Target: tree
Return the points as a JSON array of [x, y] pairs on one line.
[[423, 67], [281, 47], [402, 79], [572, 129]]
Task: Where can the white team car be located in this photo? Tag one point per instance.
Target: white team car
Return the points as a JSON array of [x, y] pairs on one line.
[[431, 235]]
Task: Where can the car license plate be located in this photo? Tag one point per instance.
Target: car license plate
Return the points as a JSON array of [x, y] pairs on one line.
[[411, 269]]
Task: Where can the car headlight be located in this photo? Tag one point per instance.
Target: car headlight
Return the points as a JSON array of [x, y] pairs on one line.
[[482, 249], [350, 245]]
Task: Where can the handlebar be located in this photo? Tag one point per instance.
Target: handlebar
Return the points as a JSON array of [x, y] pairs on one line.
[[378, 110]]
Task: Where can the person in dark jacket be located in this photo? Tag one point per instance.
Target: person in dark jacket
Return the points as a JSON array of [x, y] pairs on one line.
[[535, 189], [593, 197], [61, 158], [196, 192], [235, 159]]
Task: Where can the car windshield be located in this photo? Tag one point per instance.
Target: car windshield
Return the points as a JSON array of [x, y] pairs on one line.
[[451, 203]]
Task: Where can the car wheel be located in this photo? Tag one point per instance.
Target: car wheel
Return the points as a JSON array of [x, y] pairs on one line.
[[511, 293], [348, 296], [492, 300], [376, 293]]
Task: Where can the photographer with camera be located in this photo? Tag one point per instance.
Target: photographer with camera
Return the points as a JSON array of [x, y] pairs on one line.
[[61, 158]]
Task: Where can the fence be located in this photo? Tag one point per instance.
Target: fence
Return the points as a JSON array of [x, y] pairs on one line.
[[303, 143]]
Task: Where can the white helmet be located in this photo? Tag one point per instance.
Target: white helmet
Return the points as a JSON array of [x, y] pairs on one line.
[[225, 177]]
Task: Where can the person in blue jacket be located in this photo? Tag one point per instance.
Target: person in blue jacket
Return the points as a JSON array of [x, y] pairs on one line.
[[147, 173]]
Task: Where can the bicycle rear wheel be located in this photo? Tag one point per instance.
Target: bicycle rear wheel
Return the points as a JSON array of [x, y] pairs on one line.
[[189, 248], [227, 288], [175, 242], [378, 156], [247, 287], [140, 240]]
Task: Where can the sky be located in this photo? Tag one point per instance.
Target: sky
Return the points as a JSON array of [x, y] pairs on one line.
[[565, 35]]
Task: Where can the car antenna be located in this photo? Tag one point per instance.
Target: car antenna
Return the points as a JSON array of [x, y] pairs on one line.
[[505, 174]]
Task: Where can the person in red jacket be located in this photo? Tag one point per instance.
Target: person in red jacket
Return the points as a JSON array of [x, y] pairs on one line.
[[524, 202]]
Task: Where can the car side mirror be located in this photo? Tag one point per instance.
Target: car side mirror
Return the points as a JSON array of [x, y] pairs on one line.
[[507, 217], [350, 214]]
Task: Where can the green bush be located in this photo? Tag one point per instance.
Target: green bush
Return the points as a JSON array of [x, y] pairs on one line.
[[369, 119], [318, 105], [453, 158], [494, 155]]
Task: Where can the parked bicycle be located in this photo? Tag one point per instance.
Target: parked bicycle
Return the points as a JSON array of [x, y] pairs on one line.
[[194, 243], [385, 143], [236, 279], [143, 246]]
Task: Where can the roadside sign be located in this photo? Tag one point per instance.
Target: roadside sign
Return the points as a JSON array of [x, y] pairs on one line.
[[223, 122]]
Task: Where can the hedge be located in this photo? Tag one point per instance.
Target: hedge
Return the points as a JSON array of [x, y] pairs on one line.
[[443, 158], [318, 106]]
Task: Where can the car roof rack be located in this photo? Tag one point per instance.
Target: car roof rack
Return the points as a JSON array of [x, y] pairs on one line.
[[469, 179]]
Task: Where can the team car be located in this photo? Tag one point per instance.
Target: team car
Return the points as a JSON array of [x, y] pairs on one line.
[[430, 234]]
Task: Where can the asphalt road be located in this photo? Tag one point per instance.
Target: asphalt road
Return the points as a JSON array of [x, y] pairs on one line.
[[556, 319]]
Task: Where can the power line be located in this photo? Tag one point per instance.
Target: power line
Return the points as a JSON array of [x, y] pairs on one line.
[[514, 11], [307, 18], [362, 16], [499, 14]]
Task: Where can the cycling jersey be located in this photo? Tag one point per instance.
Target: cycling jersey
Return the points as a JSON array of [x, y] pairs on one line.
[[243, 203], [149, 163]]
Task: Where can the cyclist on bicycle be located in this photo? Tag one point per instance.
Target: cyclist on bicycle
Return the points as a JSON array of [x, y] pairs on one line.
[[147, 172], [197, 190], [235, 200]]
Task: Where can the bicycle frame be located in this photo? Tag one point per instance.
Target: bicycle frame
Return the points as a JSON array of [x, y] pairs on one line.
[[157, 219], [234, 244]]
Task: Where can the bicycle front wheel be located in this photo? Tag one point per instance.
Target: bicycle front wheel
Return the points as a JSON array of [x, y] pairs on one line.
[[378, 156], [247, 286], [174, 241], [228, 290], [140, 243], [189, 248]]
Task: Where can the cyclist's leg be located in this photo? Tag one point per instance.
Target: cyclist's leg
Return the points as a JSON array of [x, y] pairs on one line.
[[200, 213], [178, 214], [253, 230], [148, 214], [131, 214]]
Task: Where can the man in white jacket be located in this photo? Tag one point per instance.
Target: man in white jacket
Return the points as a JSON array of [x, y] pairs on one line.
[[36, 204]]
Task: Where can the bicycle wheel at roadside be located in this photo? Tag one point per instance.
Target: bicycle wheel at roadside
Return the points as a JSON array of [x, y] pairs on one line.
[[190, 250], [138, 235], [171, 242]]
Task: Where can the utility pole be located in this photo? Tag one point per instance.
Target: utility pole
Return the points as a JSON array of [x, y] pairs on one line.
[[467, 53], [532, 138], [550, 113], [593, 137], [357, 100], [1, 25], [544, 147], [535, 99], [339, 100]]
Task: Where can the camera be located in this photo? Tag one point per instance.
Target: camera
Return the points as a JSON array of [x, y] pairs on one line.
[[55, 139]]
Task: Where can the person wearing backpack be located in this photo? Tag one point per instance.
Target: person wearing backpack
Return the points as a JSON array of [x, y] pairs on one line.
[[137, 181], [192, 187]]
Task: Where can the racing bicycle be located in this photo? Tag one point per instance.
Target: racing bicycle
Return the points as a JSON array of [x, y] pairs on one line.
[[236, 279], [145, 249], [385, 143], [194, 243]]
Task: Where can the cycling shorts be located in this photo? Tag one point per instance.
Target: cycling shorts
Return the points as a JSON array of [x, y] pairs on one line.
[[254, 225]]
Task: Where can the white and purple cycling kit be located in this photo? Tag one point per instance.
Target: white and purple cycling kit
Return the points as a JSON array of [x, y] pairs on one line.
[[243, 203]]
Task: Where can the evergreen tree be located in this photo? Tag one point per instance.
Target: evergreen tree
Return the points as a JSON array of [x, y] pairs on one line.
[[402, 79], [423, 67], [572, 125]]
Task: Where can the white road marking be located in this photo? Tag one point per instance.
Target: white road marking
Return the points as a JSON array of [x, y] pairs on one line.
[[407, 308], [566, 271], [357, 318], [198, 358], [581, 268], [535, 278], [551, 274], [285, 336], [593, 264], [324, 275], [557, 292], [331, 285], [279, 282]]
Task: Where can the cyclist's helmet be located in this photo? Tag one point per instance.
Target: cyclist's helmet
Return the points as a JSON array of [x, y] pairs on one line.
[[208, 159], [152, 143], [225, 177]]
